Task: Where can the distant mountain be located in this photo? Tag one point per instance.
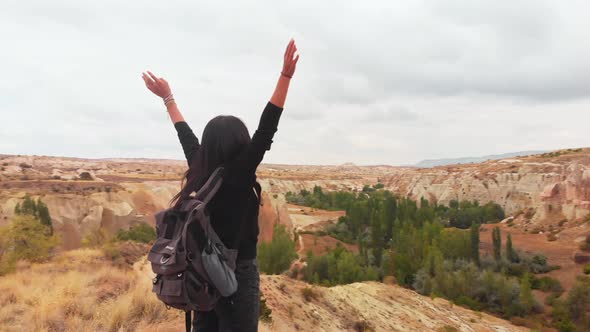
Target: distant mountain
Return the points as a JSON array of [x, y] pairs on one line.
[[466, 160]]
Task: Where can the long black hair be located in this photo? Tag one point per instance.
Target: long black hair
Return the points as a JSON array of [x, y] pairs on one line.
[[223, 139]]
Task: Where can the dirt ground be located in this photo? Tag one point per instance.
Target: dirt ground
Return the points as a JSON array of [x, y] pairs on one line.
[[303, 217], [559, 252], [312, 220]]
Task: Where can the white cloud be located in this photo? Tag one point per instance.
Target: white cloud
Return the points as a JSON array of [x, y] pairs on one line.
[[380, 82]]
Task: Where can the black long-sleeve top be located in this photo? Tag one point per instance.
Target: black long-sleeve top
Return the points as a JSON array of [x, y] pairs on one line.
[[234, 209]]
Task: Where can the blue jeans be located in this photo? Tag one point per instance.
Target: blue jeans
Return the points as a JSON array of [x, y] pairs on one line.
[[238, 312]]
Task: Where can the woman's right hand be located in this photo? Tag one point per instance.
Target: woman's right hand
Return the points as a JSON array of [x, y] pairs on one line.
[[158, 86], [290, 60]]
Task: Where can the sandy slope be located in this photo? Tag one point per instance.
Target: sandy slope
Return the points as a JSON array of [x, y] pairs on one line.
[[383, 307]]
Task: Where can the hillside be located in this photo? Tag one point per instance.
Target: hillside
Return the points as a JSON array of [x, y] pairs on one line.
[[467, 160], [83, 290], [547, 197], [85, 195], [553, 186]]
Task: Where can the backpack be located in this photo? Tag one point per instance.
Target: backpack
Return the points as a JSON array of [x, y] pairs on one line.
[[193, 267]]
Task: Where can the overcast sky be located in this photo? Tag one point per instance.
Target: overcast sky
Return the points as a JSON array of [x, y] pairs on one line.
[[378, 82]]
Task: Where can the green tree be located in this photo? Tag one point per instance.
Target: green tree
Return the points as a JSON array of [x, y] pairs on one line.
[[474, 236], [357, 217], [388, 215], [526, 294], [578, 301], [409, 249], [562, 318], [511, 254], [338, 266], [455, 244], [497, 242], [377, 240], [25, 238], [44, 216], [142, 232], [276, 256], [29, 207], [492, 212]]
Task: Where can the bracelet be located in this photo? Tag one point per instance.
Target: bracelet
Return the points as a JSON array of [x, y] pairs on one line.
[[286, 75], [168, 99]]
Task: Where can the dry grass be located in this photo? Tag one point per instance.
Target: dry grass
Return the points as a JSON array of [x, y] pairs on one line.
[[79, 290]]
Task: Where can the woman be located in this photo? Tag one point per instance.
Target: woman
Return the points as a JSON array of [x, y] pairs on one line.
[[234, 210]]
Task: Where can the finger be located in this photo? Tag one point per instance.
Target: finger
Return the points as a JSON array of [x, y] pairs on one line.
[[153, 76], [147, 79], [295, 61], [289, 47], [292, 51]]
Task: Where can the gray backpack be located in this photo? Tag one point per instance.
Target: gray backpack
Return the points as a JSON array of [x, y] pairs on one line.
[[193, 267]]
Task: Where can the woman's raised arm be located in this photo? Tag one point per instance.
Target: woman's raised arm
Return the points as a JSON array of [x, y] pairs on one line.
[[269, 120], [289, 63], [159, 86]]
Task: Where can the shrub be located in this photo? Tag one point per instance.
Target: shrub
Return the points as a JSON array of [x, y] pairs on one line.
[[518, 321], [265, 312], [562, 318], [309, 294], [546, 284], [578, 300], [112, 252], [96, 238], [86, 176], [362, 326], [25, 238], [338, 266], [143, 233], [468, 302], [276, 256]]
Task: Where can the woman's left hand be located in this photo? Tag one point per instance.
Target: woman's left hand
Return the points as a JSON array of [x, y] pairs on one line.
[[158, 86]]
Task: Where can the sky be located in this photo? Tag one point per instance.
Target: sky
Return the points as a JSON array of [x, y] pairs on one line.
[[378, 82]]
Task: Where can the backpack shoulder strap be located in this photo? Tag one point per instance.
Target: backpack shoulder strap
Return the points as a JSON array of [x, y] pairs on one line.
[[210, 188], [188, 320]]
